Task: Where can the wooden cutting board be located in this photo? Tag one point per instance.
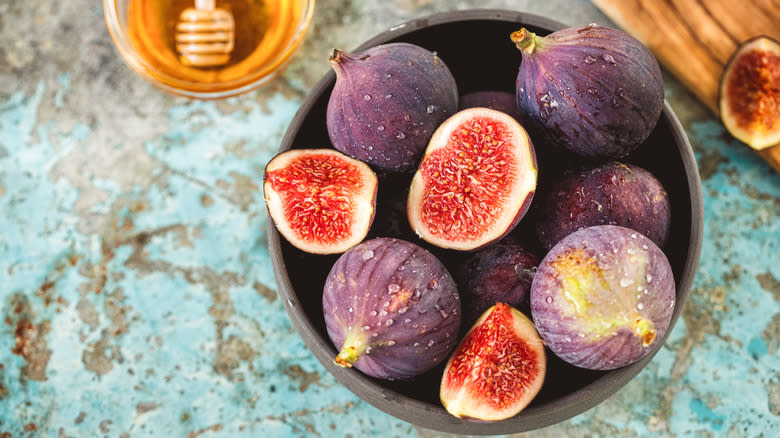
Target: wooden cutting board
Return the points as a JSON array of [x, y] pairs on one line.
[[694, 39]]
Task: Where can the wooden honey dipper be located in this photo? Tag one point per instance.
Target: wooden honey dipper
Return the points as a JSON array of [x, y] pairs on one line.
[[205, 35]]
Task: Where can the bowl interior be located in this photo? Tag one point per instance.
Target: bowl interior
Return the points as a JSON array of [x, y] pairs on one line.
[[475, 46]]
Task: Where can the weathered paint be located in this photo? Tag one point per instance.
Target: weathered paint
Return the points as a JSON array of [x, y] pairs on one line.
[[136, 294]]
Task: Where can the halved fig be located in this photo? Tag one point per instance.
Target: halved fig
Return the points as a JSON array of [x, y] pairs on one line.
[[497, 369], [750, 93], [320, 200], [475, 182]]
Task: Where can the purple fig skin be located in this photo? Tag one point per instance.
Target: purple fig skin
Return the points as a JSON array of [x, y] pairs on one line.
[[500, 273], [594, 91], [497, 100], [603, 297], [386, 103], [611, 194], [392, 309]]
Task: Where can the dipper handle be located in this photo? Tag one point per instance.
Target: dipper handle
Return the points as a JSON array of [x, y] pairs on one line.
[[205, 35]]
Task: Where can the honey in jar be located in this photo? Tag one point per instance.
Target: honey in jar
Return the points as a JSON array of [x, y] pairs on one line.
[[203, 43]]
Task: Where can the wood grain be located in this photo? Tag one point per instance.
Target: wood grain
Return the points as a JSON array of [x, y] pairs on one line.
[[694, 39]]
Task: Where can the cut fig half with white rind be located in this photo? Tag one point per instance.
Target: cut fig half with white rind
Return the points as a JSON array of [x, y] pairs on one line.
[[750, 93], [498, 368], [475, 182], [320, 200]]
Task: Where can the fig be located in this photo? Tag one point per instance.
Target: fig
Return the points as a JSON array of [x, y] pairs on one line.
[[320, 200], [750, 93], [497, 100], [499, 273], [594, 91], [603, 297], [475, 181], [391, 309], [498, 368], [611, 194], [386, 103]]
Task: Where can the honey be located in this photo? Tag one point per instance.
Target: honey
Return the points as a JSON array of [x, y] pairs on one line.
[[262, 33]]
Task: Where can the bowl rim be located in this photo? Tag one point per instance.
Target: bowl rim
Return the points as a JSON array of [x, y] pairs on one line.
[[216, 90], [435, 417]]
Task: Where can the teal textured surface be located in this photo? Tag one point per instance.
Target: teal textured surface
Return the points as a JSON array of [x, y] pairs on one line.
[[136, 292]]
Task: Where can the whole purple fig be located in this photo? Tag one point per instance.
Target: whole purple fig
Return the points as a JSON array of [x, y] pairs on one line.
[[386, 103], [611, 194], [498, 273], [594, 91], [391, 308], [603, 297]]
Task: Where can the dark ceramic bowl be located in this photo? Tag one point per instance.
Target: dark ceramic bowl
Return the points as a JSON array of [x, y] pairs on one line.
[[568, 391]]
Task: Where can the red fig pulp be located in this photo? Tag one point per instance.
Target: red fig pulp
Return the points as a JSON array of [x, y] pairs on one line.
[[497, 369], [750, 93], [475, 182], [320, 200]]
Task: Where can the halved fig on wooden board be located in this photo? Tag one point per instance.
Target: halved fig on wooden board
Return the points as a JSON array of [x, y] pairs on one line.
[[750, 93]]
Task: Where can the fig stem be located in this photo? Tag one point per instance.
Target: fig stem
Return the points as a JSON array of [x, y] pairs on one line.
[[335, 56], [524, 40], [352, 349]]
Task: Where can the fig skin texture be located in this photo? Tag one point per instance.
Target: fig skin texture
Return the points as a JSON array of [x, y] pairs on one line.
[[499, 273], [611, 194], [498, 368], [497, 100], [603, 297], [750, 93], [593, 90], [320, 200], [391, 309], [475, 182], [386, 103]]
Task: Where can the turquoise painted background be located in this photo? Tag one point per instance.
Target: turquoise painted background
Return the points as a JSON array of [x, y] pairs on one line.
[[136, 293]]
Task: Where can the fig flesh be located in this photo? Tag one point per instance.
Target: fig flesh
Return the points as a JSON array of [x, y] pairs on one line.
[[386, 103], [475, 182], [320, 200], [499, 273], [498, 368], [497, 100], [594, 91], [603, 297], [611, 194], [391, 309], [750, 93]]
